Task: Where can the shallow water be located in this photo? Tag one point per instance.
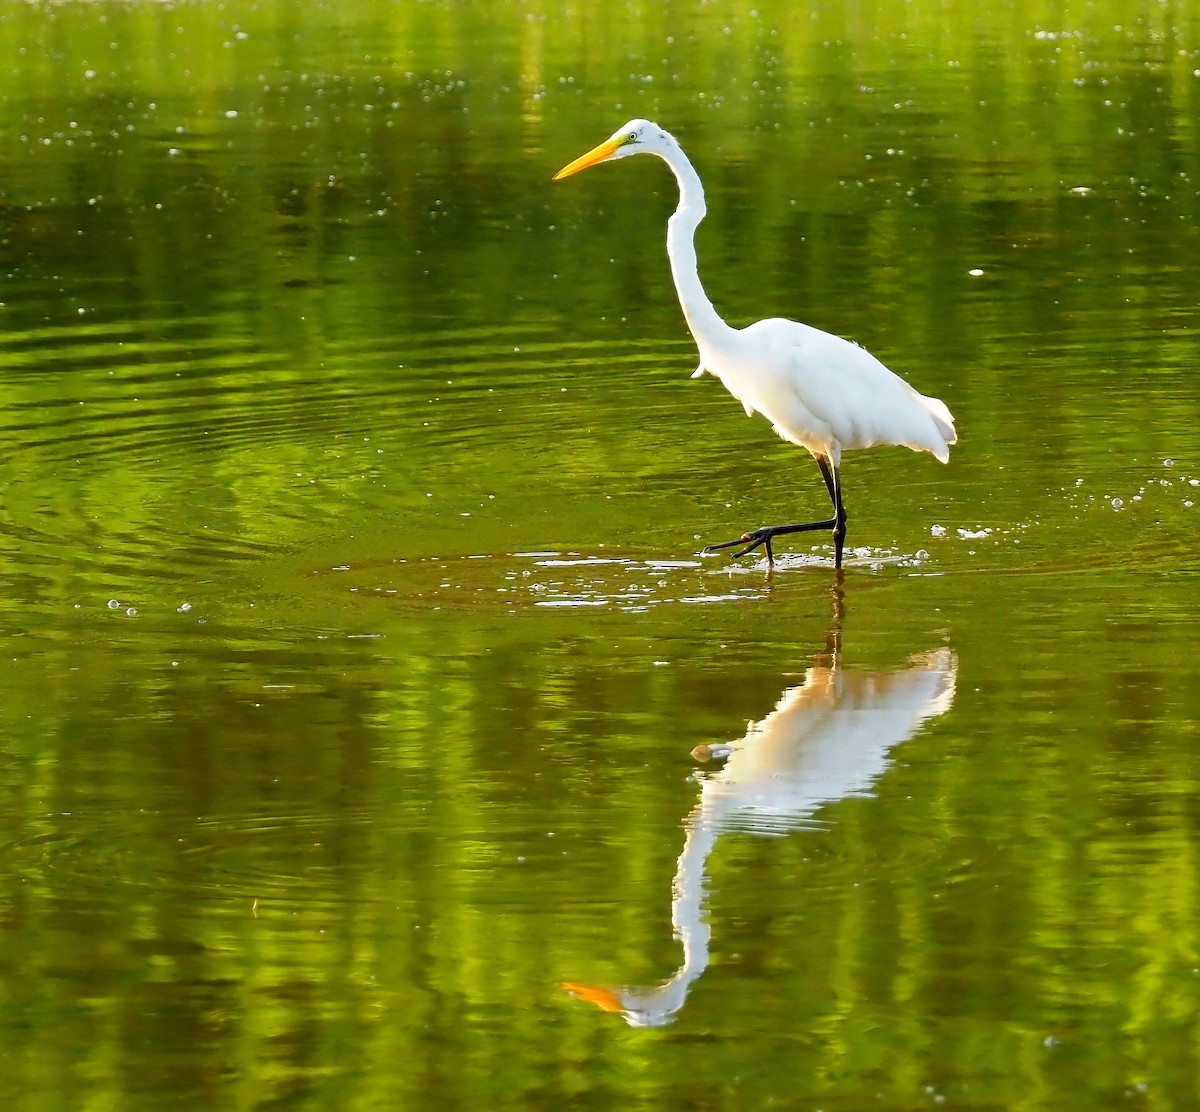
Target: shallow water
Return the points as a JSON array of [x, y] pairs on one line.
[[357, 628]]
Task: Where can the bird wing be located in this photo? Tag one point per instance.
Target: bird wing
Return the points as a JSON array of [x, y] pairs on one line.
[[839, 392]]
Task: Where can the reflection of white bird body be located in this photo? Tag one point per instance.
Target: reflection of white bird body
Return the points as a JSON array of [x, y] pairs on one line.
[[819, 391], [826, 739]]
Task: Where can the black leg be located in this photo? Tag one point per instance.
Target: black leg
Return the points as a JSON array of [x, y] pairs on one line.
[[762, 537], [833, 483], [827, 475]]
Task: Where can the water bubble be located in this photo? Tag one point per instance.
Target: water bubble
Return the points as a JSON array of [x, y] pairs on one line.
[[183, 608], [1168, 463], [937, 530], [114, 604], [1116, 503]]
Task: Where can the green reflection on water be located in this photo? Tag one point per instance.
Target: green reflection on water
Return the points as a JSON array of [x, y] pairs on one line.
[[304, 362]]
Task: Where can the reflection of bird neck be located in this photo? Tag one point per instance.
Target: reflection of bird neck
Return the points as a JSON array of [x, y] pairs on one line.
[[706, 326], [687, 895], [654, 1007]]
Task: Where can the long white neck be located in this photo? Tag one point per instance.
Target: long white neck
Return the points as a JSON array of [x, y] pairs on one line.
[[702, 318]]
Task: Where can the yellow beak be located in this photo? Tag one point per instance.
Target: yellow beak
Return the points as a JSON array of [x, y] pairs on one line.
[[602, 997], [596, 154]]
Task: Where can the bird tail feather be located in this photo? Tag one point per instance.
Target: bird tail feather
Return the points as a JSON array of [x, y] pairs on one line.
[[943, 421]]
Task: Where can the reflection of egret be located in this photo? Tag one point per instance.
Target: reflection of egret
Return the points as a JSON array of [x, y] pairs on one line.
[[826, 739], [818, 391]]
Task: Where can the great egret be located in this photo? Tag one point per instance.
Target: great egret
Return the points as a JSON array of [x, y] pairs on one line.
[[818, 391]]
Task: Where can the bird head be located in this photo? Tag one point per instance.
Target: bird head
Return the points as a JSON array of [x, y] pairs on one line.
[[639, 1007], [635, 137]]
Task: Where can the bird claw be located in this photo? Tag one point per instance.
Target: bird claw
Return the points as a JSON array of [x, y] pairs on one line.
[[723, 544], [755, 537], [728, 544]]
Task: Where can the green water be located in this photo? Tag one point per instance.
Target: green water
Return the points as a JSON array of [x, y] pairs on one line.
[[355, 638]]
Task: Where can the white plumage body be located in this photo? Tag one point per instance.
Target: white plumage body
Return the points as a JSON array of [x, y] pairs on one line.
[[824, 393]]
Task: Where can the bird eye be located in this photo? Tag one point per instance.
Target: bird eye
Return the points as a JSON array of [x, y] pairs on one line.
[[633, 137]]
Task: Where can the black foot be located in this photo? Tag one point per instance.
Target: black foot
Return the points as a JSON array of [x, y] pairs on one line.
[[762, 537], [755, 539]]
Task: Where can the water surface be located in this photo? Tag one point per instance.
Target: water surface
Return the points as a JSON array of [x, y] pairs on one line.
[[357, 633]]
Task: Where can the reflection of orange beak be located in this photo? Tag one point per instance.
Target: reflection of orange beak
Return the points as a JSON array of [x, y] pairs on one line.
[[602, 997], [596, 154]]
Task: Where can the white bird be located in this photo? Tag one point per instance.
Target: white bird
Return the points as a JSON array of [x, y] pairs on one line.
[[818, 391]]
